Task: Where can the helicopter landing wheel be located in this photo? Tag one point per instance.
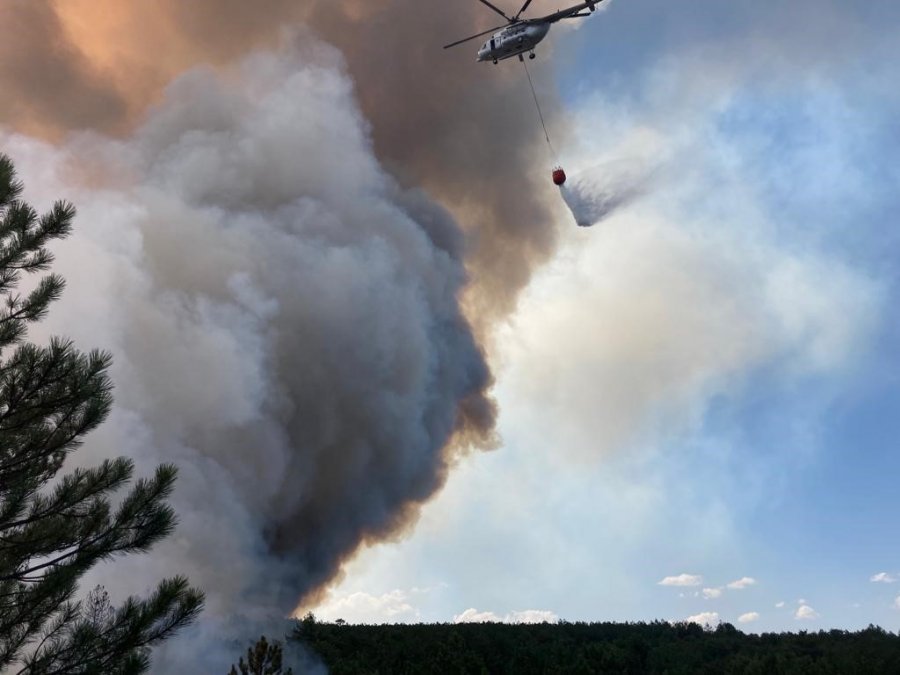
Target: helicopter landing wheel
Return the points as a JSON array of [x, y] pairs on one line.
[[532, 56]]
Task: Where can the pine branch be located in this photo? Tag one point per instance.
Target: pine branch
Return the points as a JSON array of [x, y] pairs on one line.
[[74, 489], [10, 188], [137, 625], [50, 398]]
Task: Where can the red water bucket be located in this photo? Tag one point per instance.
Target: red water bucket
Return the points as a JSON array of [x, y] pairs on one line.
[[559, 176]]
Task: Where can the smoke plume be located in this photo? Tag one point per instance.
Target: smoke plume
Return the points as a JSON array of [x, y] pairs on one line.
[[277, 249], [285, 320]]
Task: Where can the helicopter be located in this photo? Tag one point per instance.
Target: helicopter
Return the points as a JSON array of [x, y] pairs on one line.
[[518, 35]]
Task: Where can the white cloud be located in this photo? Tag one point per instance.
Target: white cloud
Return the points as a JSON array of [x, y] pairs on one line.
[[883, 578], [806, 612], [710, 593], [897, 602], [362, 607], [682, 580], [704, 618], [532, 616], [472, 615], [779, 604], [748, 617], [742, 583]]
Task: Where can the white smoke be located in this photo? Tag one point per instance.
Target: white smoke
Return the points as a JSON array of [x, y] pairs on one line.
[[284, 322], [684, 296], [628, 339]]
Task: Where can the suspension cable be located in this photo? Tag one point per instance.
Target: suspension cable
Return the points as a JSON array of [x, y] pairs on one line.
[[540, 114]]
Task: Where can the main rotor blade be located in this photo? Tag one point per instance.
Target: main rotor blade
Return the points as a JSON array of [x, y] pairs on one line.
[[459, 42], [496, 9], [566, 13], [522, 11]]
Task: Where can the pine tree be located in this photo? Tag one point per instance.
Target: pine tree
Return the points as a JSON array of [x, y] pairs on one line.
[[50, 397], [262, 659]]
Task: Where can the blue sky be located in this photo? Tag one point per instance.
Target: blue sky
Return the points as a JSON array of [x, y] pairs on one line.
[[705, 383]]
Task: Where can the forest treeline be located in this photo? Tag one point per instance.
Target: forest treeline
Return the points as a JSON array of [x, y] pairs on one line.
[[587, 648]]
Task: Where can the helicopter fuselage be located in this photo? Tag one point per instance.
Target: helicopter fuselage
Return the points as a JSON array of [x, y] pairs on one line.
[[513, 40]]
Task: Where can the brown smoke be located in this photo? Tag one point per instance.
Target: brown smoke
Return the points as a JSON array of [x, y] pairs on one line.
[[465, 132], [48, 83]]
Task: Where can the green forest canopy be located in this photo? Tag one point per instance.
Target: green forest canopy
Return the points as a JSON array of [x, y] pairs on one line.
[[573, 648]]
